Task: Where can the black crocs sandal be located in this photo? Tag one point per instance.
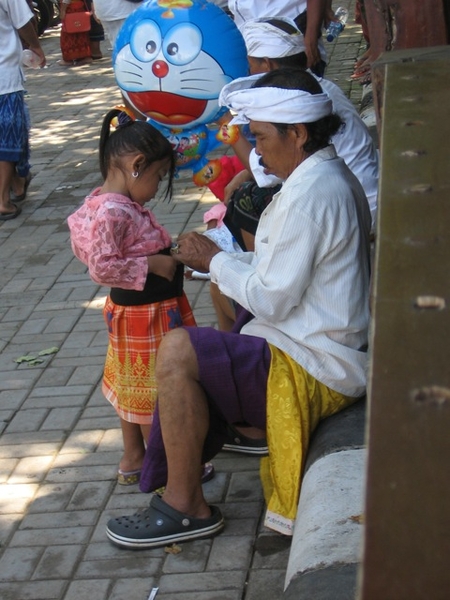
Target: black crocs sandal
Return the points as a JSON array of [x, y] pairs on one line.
[[237, 442], [160, 525]]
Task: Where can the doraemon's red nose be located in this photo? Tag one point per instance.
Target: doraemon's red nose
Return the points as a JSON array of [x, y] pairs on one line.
[[160, 68]]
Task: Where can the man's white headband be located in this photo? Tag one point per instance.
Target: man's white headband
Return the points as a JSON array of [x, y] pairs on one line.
[[264, 40], [272, 104]]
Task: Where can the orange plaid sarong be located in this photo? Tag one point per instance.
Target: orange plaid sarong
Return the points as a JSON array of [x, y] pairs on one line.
[[135, 333]]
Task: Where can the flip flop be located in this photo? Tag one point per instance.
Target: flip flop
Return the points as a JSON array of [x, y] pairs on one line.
[[12, 215], [161, 525], [237, 442], [23, 195], [128, 477]]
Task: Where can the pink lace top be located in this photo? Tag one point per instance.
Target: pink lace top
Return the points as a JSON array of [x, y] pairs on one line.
[[113, 236]]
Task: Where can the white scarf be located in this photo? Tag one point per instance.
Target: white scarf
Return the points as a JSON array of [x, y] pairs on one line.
[[272, 104]]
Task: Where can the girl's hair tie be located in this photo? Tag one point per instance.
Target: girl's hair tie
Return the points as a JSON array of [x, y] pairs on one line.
[[124, 120]]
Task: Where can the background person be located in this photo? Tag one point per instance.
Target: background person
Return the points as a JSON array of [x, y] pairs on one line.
[[112, 15], [75, 47], [309, 15], [303, 355], [16, 24]]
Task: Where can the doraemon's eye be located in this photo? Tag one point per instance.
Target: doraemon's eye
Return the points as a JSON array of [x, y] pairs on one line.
[[172, 49], [145, 40], [182, 44]]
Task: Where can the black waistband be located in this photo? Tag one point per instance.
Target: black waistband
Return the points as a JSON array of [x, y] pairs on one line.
[[156, 289]]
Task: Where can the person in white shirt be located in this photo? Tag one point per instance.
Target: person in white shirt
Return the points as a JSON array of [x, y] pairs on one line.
[[112, 15], [309, 15], [16, 24], [298, 352]]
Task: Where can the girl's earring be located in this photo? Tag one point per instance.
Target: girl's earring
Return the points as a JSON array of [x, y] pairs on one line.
[[135, 174]]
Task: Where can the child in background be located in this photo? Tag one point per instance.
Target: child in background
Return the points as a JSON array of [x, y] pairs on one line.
[[125, 248]]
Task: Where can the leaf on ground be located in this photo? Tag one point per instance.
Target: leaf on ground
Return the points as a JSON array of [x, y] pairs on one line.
[[36, 361], [22, 359], [52, 350], [173, 549]]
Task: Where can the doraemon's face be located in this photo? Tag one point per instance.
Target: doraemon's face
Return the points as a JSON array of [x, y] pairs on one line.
[[169, 78]]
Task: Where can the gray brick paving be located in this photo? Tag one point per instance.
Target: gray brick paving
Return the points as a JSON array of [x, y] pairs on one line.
[[60, 440]]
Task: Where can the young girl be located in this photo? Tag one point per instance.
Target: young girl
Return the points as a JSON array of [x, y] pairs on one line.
[[125, 248]]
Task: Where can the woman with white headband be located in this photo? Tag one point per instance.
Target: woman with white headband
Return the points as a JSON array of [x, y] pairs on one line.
[[298, 352]]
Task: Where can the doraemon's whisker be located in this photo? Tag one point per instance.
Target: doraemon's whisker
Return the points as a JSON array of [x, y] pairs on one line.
[[196, 69], [138, 75], [192, 79], [133, 64], [133, 81], [194, 89]]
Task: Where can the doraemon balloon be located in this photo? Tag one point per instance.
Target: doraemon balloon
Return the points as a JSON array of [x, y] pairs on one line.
[[171, 60]]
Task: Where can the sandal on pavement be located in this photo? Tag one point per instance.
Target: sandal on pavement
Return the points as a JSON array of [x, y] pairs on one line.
[[11, 215], [160, 525], [128, 477], [237, 442], [23, 195]]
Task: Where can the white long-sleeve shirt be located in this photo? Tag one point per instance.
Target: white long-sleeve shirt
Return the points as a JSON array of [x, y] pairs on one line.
[[14, 14], [307, 283]]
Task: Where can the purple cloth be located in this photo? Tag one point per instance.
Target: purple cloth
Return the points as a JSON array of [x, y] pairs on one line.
[[233, 370]]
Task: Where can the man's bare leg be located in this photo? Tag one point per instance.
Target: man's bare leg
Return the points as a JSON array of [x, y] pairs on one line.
[[184, 418]]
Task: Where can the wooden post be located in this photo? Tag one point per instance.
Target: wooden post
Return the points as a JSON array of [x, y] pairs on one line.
[[406, 550]]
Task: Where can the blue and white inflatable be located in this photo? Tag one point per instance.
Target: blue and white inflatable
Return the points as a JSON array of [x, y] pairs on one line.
[[171, 60]]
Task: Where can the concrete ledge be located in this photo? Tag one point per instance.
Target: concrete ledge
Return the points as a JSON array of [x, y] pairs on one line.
[[325, 549], [338, 583]]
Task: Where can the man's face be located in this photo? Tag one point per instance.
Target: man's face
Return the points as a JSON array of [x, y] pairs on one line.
[[278, 153]]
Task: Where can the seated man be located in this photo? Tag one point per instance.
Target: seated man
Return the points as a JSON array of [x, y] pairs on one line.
[[299, 349]]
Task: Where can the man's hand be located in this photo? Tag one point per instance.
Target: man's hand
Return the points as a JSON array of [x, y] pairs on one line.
[[195, 251]]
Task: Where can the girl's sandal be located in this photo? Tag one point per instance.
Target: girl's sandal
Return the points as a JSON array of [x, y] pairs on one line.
[[128, 477]]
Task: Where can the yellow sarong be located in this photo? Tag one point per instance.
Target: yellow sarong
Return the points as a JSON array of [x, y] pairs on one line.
[[296, 402]]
